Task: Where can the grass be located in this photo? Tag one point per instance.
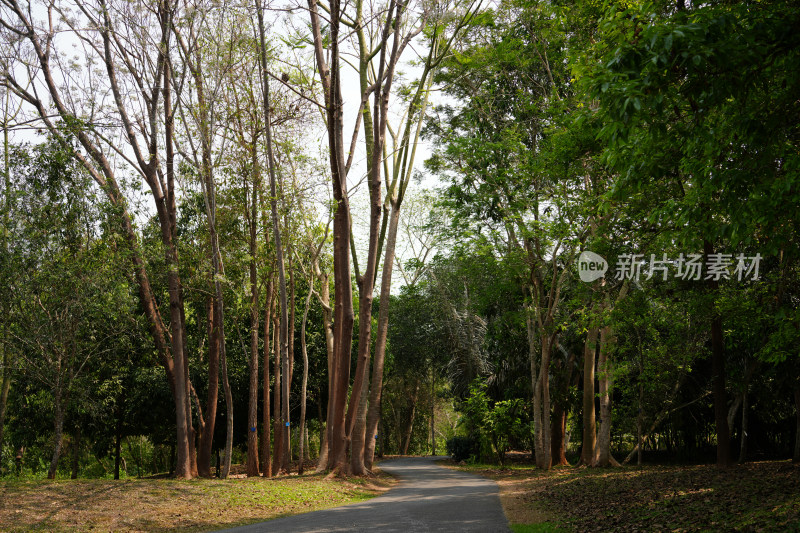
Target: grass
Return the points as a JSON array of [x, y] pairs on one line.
[[171, 505], [760, 496]]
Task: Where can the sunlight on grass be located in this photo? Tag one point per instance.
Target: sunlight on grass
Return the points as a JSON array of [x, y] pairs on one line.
[[169, 505]]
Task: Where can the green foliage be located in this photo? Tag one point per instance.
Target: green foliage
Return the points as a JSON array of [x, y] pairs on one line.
[[462, 448], [496, 424]]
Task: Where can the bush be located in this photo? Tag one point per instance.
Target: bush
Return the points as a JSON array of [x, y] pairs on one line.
[[462, 448]]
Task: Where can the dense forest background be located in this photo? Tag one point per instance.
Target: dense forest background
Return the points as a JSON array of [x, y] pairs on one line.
[[181, 289]]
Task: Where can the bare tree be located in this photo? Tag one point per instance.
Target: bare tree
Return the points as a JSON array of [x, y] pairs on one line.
[[133, 45]]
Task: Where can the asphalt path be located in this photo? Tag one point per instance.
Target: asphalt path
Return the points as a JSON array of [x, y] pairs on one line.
[[427, 498]]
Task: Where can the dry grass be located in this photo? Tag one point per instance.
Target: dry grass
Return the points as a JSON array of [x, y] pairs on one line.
[[171, 505], [761, 496]]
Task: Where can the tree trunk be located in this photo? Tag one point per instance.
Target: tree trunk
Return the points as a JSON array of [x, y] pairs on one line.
[[286, 365], [5, 382], [602, 455], [375, 153], [5, 386], [304, 387], [118, 434], [558, 448], [276, 233], [322, 458], [183, 466], [343, 311], [76, 452], [292, 313], [58, 432], [376, 387], [544, 373], [589, 428], [433, 408], [277, 433], [536, 393], [410, 426], [324, 299], [743, 438], [212, 398], [226, 388], [266, 427], [252, 407], [640, 415], [718, 371], [166, 210]]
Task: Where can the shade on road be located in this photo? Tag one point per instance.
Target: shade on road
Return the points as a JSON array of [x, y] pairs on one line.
[[428, 498]]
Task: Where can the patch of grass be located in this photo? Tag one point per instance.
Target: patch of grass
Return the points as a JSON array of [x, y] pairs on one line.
[[543, 527], [170, 505], [762, 496]]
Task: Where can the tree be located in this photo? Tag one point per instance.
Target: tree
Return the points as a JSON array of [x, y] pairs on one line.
[[490, 150], [697, 100], [145, 80]]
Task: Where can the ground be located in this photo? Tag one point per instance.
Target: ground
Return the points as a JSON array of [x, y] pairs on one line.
[[759, 496], [170, 505]]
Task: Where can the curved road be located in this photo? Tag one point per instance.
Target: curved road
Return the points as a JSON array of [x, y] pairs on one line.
[[428, 498]]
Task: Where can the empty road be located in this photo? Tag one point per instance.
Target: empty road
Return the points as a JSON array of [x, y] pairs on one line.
[[427, 498]]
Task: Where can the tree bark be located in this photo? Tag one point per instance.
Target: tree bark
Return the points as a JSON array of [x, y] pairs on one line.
[[5, 382], [58, 432], [277, 448], [412, 414], [558, 449], [266, 427], [5, 386], [168, 222], [719, 379], [376, 387], [286, 357], [304, 386], [544, 373], [385, 75], [743, 437], [589, 428], [283, 335], [324, 299], [559, 421], [118, 434], [76, 452], [602, 452], [212, 398], [226, 388], [252, 410], [292, 311], [433, 408], [537, 404]]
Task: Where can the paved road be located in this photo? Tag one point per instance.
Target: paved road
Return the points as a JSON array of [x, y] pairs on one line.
[[428, 498]]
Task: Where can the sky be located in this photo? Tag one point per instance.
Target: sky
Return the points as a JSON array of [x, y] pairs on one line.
[[282, 24]]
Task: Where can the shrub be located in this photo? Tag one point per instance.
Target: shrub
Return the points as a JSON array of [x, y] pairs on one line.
[[462, 448]]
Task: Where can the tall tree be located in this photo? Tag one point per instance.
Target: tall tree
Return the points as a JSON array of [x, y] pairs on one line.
[[143, 80]]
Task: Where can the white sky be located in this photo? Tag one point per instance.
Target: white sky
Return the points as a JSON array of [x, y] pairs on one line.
[[351, 94]]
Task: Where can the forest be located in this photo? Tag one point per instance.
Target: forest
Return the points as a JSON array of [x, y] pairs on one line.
[[299, 236]]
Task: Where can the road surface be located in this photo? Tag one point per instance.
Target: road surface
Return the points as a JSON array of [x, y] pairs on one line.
[[427, 498]]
